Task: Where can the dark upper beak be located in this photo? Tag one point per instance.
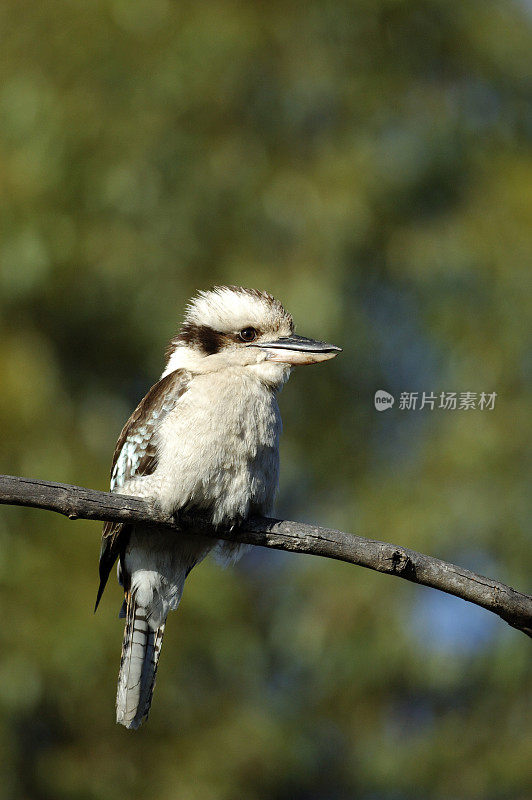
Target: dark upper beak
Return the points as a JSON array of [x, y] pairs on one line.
[[296, 349]]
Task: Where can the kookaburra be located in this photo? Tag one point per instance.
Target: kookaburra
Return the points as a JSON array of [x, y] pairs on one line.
[[204, 440]]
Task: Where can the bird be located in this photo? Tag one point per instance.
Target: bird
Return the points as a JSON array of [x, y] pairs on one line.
[[204, 441]]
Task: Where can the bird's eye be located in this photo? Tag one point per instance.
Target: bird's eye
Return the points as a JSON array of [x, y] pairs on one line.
[[248, 334]]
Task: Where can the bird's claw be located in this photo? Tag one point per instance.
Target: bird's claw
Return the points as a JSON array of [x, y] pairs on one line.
[[174, 520]]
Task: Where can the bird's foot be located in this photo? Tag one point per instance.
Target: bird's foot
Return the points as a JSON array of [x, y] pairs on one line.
[[174, 520]]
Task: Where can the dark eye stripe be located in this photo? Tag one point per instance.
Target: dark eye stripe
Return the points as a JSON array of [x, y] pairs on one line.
[[203, 337]]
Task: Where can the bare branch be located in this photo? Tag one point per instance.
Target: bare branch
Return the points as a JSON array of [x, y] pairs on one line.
[[76, 502]]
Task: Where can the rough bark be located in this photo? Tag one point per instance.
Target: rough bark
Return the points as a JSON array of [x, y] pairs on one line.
[[76, 502]]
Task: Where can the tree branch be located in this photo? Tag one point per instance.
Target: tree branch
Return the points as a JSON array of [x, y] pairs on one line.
[[76, 502]]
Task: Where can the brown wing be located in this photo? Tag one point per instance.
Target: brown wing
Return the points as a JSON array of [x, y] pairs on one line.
[[135, 455]]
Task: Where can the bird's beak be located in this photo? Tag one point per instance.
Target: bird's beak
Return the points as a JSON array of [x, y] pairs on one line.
[[298, 350]]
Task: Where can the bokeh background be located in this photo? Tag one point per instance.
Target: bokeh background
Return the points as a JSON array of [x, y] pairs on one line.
[[368, 162]]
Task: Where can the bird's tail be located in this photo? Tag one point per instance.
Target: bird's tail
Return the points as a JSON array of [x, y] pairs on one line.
[[138, 665]]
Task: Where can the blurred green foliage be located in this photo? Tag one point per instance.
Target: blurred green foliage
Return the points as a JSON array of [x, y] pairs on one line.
[[369, 162]]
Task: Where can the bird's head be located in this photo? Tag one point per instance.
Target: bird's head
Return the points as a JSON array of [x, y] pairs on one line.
[[230, 326]]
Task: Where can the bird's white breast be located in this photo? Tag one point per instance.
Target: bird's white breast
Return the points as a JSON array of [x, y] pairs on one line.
[[218, 449]]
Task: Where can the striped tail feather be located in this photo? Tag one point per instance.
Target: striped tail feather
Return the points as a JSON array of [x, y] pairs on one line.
[[138, 666]]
